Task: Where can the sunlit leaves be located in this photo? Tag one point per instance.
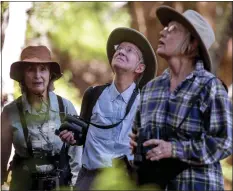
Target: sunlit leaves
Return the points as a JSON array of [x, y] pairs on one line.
[[82, 28]]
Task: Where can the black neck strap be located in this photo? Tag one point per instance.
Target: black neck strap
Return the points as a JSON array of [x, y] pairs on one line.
[[129, 105]]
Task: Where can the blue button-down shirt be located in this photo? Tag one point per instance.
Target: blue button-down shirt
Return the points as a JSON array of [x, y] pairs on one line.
[[202, 140], [102, 145]]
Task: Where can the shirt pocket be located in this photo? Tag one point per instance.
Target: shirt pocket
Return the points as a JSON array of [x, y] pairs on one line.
[[103, 119]]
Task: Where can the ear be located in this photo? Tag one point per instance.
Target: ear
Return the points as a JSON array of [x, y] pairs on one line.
[[193, 45], [140, 68]]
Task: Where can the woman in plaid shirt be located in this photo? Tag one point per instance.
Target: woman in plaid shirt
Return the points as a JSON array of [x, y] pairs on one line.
[[185, 113]]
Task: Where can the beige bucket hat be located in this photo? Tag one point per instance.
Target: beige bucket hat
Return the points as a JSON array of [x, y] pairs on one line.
[[124, 34], [34, 54], [197, 26]]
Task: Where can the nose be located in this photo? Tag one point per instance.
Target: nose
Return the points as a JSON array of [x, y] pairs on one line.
[[162, 33], [122, 52], [37, 73]]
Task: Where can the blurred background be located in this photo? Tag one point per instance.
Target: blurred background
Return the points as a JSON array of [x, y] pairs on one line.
[[77, 32]]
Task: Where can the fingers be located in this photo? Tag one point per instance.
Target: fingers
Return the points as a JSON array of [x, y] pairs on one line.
[[162, 150], [62, 133], [73, 142], [132, 136], [132, 143], [132, 146], [154, 154], [67, 136], [152, 142]]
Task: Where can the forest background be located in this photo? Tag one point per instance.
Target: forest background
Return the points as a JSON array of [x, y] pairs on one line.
[[77, 32]]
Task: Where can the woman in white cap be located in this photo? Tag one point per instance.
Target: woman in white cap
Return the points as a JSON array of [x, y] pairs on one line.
[[185, 113], [29, 123]]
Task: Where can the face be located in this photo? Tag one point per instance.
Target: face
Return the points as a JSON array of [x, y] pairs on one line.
[[127, 57], [36, 77], [172, 36]]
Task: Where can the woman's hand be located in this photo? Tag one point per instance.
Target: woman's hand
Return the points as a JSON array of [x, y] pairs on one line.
[[67, 136], [162, 149], [133, 143]]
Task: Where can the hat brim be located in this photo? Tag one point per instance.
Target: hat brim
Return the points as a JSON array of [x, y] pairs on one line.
[[123, 34], [17, 74], [167, 14]]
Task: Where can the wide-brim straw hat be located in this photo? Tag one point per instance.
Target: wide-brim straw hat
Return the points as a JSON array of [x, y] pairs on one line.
[[35, 55], [123, 34], [195, 24]]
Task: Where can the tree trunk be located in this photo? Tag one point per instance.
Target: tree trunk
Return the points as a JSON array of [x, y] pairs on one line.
[[219, 55], [13, 42]]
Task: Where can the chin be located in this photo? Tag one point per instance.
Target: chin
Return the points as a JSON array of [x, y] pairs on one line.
[[161, 53], [38, 91], [118, 65]]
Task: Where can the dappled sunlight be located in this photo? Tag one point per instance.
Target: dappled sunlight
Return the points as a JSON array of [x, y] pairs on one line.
[[118, 179], [77, 32], [66, 89]]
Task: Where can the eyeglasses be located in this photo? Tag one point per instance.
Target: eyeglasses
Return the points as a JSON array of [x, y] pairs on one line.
[[128, 50], [170, 28]]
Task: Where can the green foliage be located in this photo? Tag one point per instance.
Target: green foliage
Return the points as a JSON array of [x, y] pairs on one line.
[[118, 179], [227, 170], [17, 91], [79, 28], [66, 89], [4, 6]]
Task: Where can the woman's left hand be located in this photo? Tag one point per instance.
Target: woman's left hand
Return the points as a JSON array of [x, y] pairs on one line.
[[162, 149]]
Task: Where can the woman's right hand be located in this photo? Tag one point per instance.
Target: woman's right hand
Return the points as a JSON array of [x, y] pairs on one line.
[[133, 143], [67, 136]]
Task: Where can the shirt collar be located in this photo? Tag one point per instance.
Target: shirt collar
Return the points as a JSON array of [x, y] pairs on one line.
[[199, 68], [125, 95], [53, 104]]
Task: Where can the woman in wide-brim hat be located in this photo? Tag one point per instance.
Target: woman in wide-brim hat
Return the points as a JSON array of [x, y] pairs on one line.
[[31, 120], [186, 108]]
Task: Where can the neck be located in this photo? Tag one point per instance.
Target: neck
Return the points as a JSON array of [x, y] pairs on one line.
[[122, 82], [180, 68], [37, 100]]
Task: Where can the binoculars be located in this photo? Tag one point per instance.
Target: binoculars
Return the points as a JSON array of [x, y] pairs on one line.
[[77, 125]]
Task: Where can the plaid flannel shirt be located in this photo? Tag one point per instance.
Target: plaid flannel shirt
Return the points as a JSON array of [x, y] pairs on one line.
[[205, 136]]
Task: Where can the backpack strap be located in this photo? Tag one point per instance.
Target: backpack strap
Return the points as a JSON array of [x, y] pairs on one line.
[[61, 108], [65, 147], [19, 105], [65, 174], [90, 97]]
